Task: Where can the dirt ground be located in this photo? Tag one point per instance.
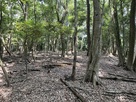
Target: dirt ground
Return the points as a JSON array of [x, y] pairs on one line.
[[42, 83]]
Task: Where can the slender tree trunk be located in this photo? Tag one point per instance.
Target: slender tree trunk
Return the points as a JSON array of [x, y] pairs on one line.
[[24, 7], [117, 37], [88, 27], [134, 64], [131, 36], [32, 41], [92, 69], [62, 46], [5, 73], [64, 14], [122, 24], [75, 42], [1, 47], [1, 18]]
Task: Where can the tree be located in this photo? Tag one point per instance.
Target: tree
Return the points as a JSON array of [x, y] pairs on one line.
[[132, 35], [61, 20], [24, 7], [1, 18], [1, 45], [75, 42], [117, 35], [93, 65], [88, 27], [134, 64]]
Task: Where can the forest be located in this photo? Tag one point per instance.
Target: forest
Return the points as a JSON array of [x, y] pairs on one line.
[[67, 50]]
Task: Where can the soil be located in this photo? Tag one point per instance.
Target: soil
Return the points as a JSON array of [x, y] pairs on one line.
[[42, 82]]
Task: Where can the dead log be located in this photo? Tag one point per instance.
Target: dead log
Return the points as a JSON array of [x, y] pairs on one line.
[[118, 79], [79, 96], [125, 77]]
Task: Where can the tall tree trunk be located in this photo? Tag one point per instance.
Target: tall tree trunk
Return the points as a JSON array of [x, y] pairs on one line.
[[131, 36], [64, 14], [75, 42], [117, 36], [5, 73], [1, 18], [24, 7], [134, 64], [122, 25], [62, 45], [88, 27], [1, 46], [92, 69]]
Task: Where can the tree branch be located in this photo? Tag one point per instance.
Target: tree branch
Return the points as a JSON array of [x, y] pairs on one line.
[[79, 96]]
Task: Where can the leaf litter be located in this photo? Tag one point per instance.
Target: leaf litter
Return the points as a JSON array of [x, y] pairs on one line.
[[42, 83]]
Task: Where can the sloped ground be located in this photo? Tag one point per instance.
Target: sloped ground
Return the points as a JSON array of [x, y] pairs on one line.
[[42, 83]]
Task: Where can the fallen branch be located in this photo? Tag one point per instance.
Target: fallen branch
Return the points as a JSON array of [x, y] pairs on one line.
[[126, 77], [119, 79], [114, 93], [79, 96], [51, 66], [67, 63], [33, 69]]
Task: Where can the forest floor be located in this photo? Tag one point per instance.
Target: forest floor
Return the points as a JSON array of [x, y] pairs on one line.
[[42, 83]]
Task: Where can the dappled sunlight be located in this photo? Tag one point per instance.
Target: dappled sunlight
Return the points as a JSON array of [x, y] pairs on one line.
[[10, 64], [1, 76], [102, 73], [121, 98], [5, 93]]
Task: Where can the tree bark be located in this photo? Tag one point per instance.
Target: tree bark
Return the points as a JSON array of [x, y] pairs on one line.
[[1, 46], [88, 27], [64, 14], [24, 7], [131, 36], [122, 25], [117, 36], [75, 42], [92, 69], [5, 73], [1, 18], [134, 64]]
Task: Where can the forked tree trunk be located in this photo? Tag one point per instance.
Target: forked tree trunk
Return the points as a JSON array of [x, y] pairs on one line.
[[61, 21], [131, 36], [92, 69], [75, 42], [24, 7]]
